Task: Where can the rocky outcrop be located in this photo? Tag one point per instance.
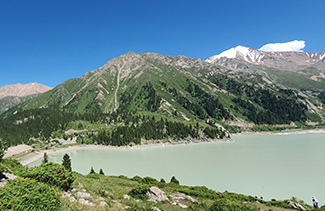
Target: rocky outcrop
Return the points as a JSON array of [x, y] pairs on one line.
[[155, 194], [295, 205]]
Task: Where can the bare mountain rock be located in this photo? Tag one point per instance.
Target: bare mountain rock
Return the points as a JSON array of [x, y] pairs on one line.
[[22, 90]]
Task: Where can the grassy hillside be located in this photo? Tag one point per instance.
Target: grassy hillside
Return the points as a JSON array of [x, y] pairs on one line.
[[99, 192]]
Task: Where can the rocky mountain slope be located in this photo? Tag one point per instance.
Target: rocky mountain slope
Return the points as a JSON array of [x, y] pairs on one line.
[[294, 69], [22, 90], [11, 95], [184, 87]]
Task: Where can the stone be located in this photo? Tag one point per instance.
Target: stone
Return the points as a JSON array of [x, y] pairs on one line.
[[65, 195], [114, 201], [103, 204], [183, 205], [108, 193], [155, 194], [101, 198], [86, 202], [155, 209], [72, 199], [126, 197], [178, 197], [80, 185], [174, 203], [83, 195]]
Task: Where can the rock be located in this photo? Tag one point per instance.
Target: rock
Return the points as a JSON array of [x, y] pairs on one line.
[[83, 195], [178, 197], [65, 195], [295, 205], [72, 199], [155, 194], [103, 204], [126, 197], [80, 185], [108, 193], [114, 201], [84, 190], [73, 190], [127, 207], [101, 198], [137, 201], [183, 205], [155, 209], [174, 203], [86, 202]]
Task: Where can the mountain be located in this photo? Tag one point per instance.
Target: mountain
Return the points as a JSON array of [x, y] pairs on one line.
[[294, 69], [22, 90], [11, 95], [152, 96]]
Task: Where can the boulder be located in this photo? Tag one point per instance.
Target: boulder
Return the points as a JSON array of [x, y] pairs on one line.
[[103, 204], [295, 205], [72, 199], [183, 205], [155, 194], [83, 195], [87, 202], [126, 197], [155, 209]]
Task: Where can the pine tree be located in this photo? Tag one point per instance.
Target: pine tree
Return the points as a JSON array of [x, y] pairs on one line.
[[162, 180], [92, 171], [174, 180], [45, 158], [66, 162], [101, 172]]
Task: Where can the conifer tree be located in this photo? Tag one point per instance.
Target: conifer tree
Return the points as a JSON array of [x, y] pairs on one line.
[[101, 172], [174, 180], [92, 171], [162, 180], [66, 162], [45, 158]]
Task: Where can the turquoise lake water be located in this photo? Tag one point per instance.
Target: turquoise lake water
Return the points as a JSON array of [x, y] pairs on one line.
[[272, 166]]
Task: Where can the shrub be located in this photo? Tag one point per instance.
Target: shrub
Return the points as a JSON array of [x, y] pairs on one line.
[[51, 173], [149, 181], [28, 194], [227, 205], [139, 192], [14, 165], [136, 178]]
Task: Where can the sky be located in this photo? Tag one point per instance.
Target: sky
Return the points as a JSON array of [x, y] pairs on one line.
[[50, 42]]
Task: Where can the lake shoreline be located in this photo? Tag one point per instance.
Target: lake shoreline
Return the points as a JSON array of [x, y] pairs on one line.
[[33, 156]]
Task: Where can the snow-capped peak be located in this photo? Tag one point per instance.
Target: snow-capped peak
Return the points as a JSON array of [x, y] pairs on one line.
[[248, 54]]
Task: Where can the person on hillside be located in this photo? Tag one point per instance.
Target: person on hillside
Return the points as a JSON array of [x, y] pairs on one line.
[[315, 202]]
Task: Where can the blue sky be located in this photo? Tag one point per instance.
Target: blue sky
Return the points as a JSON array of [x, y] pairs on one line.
[[52, 41]]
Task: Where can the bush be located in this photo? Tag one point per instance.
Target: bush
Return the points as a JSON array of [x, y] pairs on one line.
[[139, 192], [28, 194], [51, 173], [136, 178], [150, 181], [14, 165], [227, 205]]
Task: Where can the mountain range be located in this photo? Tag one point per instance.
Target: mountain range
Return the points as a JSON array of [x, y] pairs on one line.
[[239, 89]]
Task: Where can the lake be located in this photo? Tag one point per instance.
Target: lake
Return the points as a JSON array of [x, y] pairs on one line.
[[272, 166]]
